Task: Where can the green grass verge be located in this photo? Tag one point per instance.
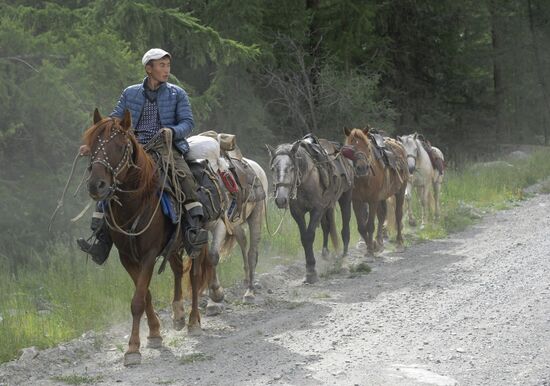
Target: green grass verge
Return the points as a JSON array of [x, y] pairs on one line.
[[60, 295]]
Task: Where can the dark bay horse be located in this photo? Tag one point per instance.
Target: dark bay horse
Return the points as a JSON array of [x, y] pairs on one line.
[[298, 185], [373, 188], [124, 177]]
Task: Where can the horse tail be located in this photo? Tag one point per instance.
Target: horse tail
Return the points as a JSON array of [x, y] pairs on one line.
[[205, 272], [227, 245], [206, 269]]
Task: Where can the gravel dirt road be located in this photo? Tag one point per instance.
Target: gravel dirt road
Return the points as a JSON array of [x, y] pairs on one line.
[[471, 309]]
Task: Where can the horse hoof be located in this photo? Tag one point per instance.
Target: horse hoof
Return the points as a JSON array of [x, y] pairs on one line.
[[132, 359], [249, 297], [194, 330], [214, 308], [178, 324], [399, 249], [217, 295], [325, 253], [311, 278], [154, 342]]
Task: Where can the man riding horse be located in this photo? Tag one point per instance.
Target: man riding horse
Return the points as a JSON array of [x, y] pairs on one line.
[[158, 108]]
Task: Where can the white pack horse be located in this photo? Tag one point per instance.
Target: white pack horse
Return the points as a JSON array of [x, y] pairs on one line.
[[425, 179], [225, 232]]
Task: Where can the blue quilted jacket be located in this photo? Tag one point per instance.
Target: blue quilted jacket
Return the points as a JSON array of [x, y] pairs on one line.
[[174, 110]]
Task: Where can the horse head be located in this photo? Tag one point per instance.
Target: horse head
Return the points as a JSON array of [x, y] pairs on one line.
[[356, 149], [285, 172], [411, 146], [111, 149]]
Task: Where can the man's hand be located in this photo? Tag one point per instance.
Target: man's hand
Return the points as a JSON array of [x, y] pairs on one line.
[[84, 150]]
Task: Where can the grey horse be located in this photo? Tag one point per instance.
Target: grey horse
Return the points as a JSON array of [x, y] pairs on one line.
[[299, 186]]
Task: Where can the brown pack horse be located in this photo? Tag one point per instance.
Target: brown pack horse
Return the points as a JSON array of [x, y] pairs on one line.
[[124, 177], [373, 188]]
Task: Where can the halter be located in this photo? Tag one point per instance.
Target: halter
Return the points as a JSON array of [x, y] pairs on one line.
[[292, 186], [100, 156], [415, 155]]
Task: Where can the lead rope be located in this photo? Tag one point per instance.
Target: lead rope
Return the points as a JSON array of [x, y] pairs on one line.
[[61, 200], [116, 226]]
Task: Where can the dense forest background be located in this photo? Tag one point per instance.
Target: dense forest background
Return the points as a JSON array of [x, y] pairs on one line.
[[469, 74]]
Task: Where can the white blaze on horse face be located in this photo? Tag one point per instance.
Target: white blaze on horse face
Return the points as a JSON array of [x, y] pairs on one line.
[[283, 174]]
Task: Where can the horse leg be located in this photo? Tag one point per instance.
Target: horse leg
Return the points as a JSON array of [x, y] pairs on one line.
[[425, 202], [345, 209], [255, 232], [307, 237], [194, 326], [325, 226], [437, 191], [408, 198], [399, 200], [141, 278], [381, 215], [178, 312], [373, 210], [215, 290], [361, 210]]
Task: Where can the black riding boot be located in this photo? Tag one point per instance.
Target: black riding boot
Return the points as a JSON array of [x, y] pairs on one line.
[[195, 235], [100, 247]]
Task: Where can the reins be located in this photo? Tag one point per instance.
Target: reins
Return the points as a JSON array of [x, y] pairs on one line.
[[112, 223]]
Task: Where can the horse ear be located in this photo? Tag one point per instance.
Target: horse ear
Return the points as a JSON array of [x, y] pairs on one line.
[[347, 131], [270, 150], [399, 138], [295, 147], [97, 116], [126, 121]]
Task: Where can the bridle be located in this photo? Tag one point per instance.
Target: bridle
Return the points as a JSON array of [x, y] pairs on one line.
[[99, 156], [292, 186]]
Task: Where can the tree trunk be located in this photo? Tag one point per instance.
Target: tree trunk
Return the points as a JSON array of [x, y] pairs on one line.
[[315, 55], [499, 90], [539, 69]]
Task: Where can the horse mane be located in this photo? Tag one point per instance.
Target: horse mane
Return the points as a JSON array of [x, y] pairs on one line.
[[142, 174], [362, 136], [301, 155]]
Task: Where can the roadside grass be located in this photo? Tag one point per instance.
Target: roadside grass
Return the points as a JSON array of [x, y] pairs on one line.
[[60, 295]]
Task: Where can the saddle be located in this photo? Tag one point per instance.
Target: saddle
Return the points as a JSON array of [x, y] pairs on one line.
[[208, 190], [243, 184], [342, 167], [436, 161], [381, 151], [319, 154]]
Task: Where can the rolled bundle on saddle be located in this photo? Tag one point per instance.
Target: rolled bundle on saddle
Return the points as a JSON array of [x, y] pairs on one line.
[[242, 181]]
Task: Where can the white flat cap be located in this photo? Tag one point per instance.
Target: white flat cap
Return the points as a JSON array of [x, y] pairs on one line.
[[154, 54]]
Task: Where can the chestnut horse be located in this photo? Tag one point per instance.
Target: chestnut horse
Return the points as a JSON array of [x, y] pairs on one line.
[[373, 188], [124, 177]]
